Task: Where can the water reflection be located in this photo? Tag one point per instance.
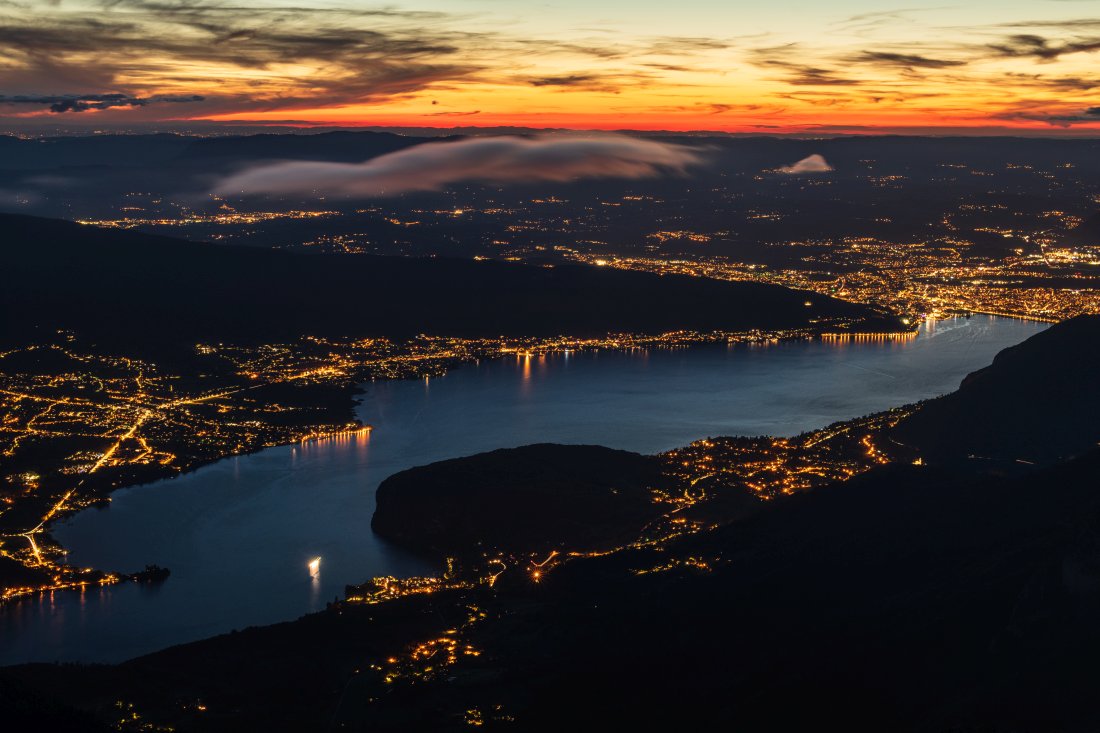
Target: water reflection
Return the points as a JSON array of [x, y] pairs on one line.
[[314, 584]]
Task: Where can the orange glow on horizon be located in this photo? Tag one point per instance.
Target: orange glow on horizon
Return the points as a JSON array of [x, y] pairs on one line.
[[794, 66], [870, 124]]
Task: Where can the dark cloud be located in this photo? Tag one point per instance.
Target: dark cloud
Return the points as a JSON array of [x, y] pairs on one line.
[[669, 67], [681, 45], [820, 99], [86, 102], [1054, 83], [565, 81], [604, 52], [73, 103], [1026, 45], [617, 50], [612, 81], [1074, 24], [717, 108], [812, 76], [810, 66], [178, 98], [432, 166], [904, 60], [454, 114], [1055, 119], [789, 60]]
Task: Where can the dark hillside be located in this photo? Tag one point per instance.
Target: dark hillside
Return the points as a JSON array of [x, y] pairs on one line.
[[534, 498], [135, 289], [1038, 401]]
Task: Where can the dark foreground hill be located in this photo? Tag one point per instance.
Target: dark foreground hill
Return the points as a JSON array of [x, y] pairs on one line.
[[908, 600], [137, 289], [1037, 402]]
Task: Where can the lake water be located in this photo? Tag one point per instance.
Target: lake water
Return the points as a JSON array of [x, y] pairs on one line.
[[237, 534]]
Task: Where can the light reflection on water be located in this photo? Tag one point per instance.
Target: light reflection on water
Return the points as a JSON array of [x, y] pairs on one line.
[[237, 534]]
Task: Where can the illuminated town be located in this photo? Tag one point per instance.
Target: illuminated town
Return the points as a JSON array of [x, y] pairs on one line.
[[892, 277]]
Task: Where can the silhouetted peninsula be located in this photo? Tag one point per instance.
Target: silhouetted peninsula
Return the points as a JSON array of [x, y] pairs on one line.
[[535, 498]]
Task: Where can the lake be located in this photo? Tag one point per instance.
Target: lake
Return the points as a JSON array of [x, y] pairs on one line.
[[237, 534]]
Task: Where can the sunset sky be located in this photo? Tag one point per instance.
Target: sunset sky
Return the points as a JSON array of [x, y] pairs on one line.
[[778, 66]]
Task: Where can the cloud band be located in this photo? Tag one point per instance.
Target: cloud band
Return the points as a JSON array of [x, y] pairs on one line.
[[432, 166]]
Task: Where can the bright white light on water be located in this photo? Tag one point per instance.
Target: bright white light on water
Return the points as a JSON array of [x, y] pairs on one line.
[[315, 567]]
